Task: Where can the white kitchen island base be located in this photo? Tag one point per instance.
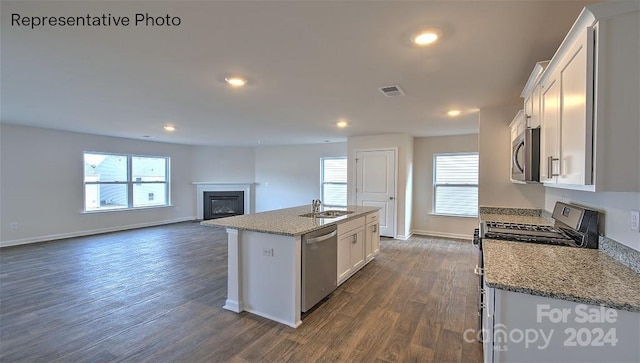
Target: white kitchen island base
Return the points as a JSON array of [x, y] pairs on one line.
[[265, 256], [264, 275]]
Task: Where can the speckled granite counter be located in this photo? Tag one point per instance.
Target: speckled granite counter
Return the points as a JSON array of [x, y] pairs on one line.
[[286, 221], [582, 275]]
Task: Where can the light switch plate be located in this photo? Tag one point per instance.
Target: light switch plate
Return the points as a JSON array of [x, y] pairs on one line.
[[635, 220]]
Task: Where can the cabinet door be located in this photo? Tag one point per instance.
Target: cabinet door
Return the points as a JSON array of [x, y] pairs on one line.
[[372, 240], [528, 110], [550, 130], [534, 115], [357, 249], [344, 256], [575, 120]]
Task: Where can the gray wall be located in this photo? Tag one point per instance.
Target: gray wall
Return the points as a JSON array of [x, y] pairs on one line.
[[494, 144], [424, 222], [41, 184], [289, 176], [223, 164]]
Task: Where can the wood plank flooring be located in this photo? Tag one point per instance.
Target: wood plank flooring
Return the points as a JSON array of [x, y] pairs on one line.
[[156, 295]]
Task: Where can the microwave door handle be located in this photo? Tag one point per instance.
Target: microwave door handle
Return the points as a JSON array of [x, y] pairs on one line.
[[515, 157]]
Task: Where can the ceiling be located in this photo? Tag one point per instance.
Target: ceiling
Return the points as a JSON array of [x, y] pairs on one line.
[[308, 63]]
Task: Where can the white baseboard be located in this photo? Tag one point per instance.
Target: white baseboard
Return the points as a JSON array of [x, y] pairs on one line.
[[405, 237], [53, 237], [443, 235]]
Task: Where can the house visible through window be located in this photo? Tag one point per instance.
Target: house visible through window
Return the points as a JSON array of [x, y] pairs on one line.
[[118, 181], [456, 184], [334, 181]]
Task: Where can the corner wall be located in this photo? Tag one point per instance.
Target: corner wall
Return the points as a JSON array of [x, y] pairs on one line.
[[42, 182], [424, 222], [494, 145], [289, 176]]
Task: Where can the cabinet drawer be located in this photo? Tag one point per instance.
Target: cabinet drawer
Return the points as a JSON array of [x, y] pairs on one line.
[[350, 225], [373, 217]]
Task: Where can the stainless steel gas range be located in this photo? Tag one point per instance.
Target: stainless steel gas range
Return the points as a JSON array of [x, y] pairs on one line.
[[574, 226]]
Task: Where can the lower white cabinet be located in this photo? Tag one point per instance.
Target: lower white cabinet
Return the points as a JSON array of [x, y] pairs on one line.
[[372, 240], [520, 327], [358, 243]]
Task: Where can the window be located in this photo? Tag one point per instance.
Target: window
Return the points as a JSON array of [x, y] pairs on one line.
[[118, 181], [334, 181], [456, 184]]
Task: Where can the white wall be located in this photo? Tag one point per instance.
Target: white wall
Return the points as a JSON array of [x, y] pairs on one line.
[[423, 221], [494, 145], [289, 176], [616, 208], [404, 144], [41, 185], [223, 164]]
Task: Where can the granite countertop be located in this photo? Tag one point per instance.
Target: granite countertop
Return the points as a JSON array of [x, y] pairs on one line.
[[286, 221], [582, 275]]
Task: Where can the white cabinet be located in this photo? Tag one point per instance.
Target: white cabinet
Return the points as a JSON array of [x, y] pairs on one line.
[[518, 125], [532, 94], [529, 328], [567, 122], [589, 103], [358, 243], [550, 130], [372, 236], [351, 248]]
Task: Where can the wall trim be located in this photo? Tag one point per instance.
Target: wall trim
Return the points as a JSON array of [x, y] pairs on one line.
[[53, 237], [443, 234], [404, 238]]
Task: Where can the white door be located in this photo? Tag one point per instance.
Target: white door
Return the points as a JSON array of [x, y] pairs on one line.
[[376, 185]]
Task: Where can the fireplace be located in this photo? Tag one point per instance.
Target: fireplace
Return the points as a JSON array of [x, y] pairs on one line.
[[223, 204]]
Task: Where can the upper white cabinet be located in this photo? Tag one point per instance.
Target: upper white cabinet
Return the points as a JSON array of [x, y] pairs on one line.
[[588, 103], [532, 94], [567, 122]]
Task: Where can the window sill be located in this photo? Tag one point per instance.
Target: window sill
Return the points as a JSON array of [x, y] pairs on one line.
[[124, 209], [453, 215]]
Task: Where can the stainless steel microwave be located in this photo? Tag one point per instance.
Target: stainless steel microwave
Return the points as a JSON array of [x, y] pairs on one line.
[[525, 156]]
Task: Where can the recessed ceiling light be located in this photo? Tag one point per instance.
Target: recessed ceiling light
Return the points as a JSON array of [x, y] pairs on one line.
[[425, 38], [454, 113], [341, 124], [169, 128], [236, 81]]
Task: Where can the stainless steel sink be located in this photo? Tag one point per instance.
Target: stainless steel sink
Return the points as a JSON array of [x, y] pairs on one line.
[[332, 213]]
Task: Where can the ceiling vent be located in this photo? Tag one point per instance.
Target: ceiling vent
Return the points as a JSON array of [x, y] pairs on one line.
[[391, 91]]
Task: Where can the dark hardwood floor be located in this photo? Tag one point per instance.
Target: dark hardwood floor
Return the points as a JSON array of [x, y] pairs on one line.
[[156, 294]]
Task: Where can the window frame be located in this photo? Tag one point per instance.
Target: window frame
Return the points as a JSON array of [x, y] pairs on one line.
[[436, 185], [129, 182], [323, 183]]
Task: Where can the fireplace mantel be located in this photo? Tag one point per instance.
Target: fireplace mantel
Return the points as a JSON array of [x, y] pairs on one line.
[[202, 187]]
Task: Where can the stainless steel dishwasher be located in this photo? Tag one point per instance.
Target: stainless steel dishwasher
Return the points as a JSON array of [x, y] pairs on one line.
[[319, 265]]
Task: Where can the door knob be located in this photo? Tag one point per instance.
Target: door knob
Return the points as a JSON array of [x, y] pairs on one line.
[[390, 198]]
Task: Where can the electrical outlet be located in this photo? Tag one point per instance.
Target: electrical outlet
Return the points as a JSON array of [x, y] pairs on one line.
[[635, 220], [267, 252], [13, 226]]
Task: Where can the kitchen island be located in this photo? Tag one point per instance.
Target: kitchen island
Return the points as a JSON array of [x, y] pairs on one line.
[[264, 258]]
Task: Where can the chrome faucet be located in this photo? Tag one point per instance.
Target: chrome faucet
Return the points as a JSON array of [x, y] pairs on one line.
[[315, 205]]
